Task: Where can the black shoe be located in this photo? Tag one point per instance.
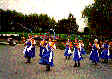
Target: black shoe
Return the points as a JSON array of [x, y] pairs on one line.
[[106, 61], [27, 62], [75, 65], [92, 61], [48, 68], [95, 63], [66, 58], [78, 64]]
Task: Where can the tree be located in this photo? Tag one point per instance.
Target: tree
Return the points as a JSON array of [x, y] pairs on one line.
[[12, 21], [86, 30], [68, 25], [99, 16]]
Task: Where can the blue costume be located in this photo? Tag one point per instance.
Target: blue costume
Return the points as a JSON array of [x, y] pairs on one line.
[[82, 50], [47, 57], [77, 55], [41, 51], [94, 54], [50, 55], [110, 50], [42, 44], [29, 50], [105, 52], [67, 51]]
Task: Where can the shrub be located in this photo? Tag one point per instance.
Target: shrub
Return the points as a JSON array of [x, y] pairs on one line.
[[60, 45]]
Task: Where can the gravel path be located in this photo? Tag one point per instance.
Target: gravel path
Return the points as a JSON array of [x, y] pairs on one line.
[[12, 66]]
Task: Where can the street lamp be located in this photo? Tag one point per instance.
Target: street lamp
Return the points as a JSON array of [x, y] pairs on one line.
[[53, 32]]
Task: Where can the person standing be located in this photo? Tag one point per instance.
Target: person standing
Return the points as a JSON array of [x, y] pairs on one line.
[[48, 54], [29, 50], [51, 48], [94, 56], [77, 54], [42, 46], [43, 53], [105, 52], [81, 45], [110, 49], [67, 52]]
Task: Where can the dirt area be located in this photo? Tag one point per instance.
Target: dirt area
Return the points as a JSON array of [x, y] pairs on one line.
[[12, 66]]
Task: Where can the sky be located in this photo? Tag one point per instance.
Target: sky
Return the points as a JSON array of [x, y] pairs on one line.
[[54, 8]]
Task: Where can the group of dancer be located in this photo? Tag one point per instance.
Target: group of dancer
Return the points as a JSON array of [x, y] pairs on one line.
[[100, 52], [47, 51], [78, 50]]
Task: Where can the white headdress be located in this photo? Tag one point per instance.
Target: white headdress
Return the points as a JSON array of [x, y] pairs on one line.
[[96, 40]]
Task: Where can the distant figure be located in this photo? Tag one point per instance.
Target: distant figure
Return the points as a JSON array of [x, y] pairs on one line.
[[42, 46], [81, 45], [89, 47], [77, 54], [105, 52], [29, 50], [110, 49], [67, 52], [101, 47], [23, 39], [94, 56]]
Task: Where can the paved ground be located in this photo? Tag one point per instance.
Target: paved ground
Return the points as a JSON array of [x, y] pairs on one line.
[[12, 66]]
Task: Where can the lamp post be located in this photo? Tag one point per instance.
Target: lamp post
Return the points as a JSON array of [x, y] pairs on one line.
[[53, 32]]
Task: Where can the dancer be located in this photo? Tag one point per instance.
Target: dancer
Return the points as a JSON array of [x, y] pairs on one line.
[[43, 53], [42, 46], [67, 52], [105, 52], [51, 48], [94, 56], [101, 47], [77, 55], [81, 45], [29, 50], [110, 49], [47, 57]]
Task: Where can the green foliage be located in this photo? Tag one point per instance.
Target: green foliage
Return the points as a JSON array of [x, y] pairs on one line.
[[67, 26], [99, 16], [61, 46], [12, 21]]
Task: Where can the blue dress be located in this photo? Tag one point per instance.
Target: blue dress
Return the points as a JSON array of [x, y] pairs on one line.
[[105, 52], [29, 50], [66, 53], [42, 54], [77, 55], [41, 51], [47, 57], [83, 51], [94, 54], [50, 51], [110, 50]]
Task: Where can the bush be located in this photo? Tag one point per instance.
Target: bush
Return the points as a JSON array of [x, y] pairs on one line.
[[60, 45]]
